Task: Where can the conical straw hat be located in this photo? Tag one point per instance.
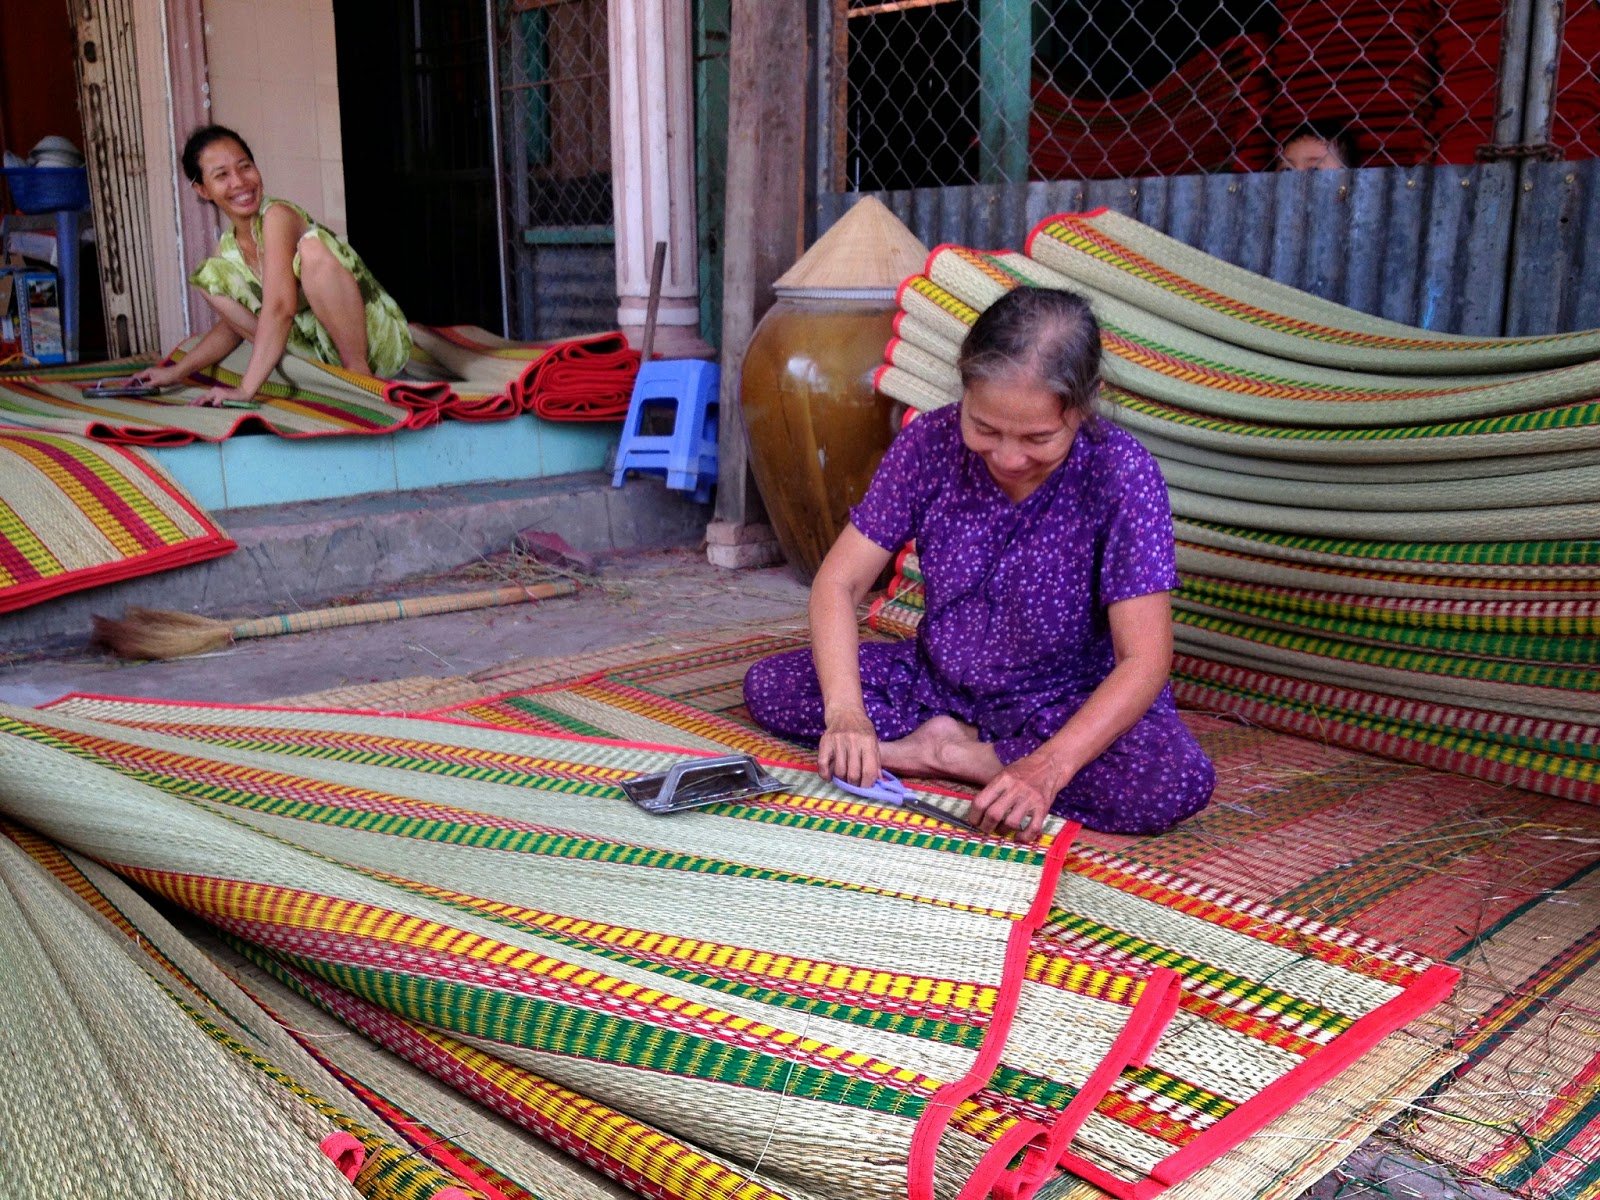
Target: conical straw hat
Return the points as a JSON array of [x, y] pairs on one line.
[[867, 253]]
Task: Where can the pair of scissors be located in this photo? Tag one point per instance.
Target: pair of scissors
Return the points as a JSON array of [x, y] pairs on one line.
[[890, 791]]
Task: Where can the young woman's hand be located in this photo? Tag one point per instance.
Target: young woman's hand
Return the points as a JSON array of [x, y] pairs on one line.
[[1018, 799], [217, 397], [161, 377], [849, 749]]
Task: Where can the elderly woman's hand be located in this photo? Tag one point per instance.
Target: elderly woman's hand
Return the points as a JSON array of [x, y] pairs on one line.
[[849, 749], [1019, 798]]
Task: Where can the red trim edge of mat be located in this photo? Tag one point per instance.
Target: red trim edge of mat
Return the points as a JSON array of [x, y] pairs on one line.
[[193, 550], [1139, 1037], [1429, 989], [1091, 214]]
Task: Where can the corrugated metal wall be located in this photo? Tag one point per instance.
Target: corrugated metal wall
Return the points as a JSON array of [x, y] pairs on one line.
[[1430, 246], [1554, 281]]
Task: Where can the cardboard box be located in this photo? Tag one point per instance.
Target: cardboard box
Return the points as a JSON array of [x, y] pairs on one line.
[[39, 315]]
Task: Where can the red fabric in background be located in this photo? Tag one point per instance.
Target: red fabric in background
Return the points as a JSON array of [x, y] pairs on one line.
[[1363, 65], [1466, 46], [1206, 115], [1575, 130], [1411, 80]]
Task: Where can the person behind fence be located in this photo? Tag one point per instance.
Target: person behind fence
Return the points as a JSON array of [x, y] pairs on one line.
[[1040, 668], [1317, 146], [279, 281]]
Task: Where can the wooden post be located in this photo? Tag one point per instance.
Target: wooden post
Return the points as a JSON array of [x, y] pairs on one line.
[[1516, 24], [651, 52], [1544, 63], [765, 229], [1005, 71]]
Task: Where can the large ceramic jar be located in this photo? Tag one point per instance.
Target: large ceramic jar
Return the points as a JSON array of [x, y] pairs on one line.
[[817, 427]]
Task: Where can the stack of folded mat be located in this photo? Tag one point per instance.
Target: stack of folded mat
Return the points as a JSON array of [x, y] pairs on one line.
[[1386, 534], [1360, 63], [1207, 115]]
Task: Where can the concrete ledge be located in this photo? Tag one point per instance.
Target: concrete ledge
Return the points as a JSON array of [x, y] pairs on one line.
[[295, 556]]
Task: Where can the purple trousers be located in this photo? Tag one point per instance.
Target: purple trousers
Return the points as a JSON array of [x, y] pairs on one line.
[[1148, 780]]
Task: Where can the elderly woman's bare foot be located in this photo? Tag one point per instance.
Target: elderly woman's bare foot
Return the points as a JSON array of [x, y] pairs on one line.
[[944, 748]]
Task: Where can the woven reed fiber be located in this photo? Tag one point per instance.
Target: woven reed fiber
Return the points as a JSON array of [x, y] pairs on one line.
[[1448, 865], [1211, 1081], [1419, 676], [395, 1166], [1525, 417], [1461, 471], [1551, 522], [797, 880], [1476, 685], [74, 514], [1356, 580], [1543, 632], [1161, 275], [426, 1103], [1153, 357], [1574, 561], [406, 1062], [301, 399], [108, 1084], [418, 693]]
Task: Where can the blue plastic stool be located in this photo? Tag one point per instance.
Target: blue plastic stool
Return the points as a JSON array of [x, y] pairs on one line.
[[688, 455]]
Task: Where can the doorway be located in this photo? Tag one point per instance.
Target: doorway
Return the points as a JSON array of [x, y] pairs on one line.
[[418, 154]]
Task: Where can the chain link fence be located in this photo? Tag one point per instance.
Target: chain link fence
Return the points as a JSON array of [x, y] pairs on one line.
[[1575, 107], [929, 93], [553, 117]]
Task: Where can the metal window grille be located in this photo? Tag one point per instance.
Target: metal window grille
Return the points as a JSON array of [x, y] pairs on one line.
[[930, 93], [553, 117]]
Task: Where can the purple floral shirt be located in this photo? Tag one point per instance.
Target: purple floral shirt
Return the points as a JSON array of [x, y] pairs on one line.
[[1017, 594]]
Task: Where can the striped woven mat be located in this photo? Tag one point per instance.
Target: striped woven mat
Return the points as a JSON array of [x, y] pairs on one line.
[[1162, 360], [458, 371], [132, 1066], [1502, 690], [1302, 491], [784, 981], [74, 514], [300, 399], [1162, 275], [1502, 882], [1203, 392]]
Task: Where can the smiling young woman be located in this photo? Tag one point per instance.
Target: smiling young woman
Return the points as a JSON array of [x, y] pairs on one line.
[[1040, 667], [280, 281]]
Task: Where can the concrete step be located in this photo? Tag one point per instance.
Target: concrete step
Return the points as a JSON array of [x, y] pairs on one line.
[[297, 556]]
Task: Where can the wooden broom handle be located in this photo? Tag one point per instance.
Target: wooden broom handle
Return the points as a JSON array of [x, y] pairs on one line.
[[394, 610]]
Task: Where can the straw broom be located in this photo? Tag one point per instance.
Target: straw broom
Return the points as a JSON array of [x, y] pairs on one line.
[[159, 633]]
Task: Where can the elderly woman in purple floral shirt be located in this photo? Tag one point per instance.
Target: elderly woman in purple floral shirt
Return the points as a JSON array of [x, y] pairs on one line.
[[1040, 668]]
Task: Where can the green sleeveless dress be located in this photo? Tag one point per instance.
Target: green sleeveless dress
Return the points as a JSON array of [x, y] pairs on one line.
[[227, 274]]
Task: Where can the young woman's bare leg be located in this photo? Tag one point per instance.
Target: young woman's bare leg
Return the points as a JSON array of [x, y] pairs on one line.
[[240, 318], [335, 299]]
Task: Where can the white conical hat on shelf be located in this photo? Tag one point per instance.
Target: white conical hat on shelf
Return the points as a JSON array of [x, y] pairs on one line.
[[865, 256]]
